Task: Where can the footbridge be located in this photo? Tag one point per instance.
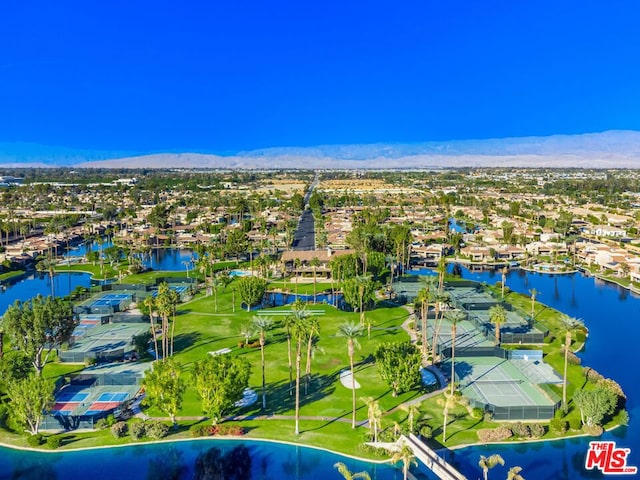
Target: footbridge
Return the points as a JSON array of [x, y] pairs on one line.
[[431, 459]]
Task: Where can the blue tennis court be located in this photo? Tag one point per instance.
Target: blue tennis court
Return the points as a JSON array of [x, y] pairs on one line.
[[110, 300], [178, 288], [112, 397], [66, 397]]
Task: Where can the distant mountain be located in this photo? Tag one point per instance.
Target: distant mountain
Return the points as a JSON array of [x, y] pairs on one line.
[[611, 149]]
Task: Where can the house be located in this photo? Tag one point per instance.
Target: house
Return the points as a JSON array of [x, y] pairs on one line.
[[607, 231], [303, 259]]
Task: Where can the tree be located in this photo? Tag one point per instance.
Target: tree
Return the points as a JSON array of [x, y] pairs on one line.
[[251, 290], [149, 303], [569, 324], [534, 294], [164, 388], [398, 365], [504, 280], [219, 381], [315, 263], [424, 296], [449, 402], [263, 325], [348, 475], [489, 462], [351, 331], [39, 324], [30, 398], [514, 473], [299, 331], [454, 317], [312, 330], [406, 456], [442, 271], [497, 316], [358, 292], [595, 404], [413, 410], [299, 314], [374, 414], [48, 265]]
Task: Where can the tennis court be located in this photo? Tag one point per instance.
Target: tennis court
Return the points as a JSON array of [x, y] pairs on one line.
[[110, 300], [76, 400], [181, 289], [107, 342], [470, 298], [497, 382]]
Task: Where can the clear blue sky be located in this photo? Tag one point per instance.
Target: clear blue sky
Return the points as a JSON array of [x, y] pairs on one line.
[[221, 77]]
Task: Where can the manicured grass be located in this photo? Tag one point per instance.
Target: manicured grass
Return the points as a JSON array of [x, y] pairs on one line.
[[97, 272], [8, 275]]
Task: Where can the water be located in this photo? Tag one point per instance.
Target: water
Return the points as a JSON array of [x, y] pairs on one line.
[[167, 259], [612, 315], [203, 459], [28, 286]]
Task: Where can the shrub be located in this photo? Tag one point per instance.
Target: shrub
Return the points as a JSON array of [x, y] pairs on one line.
[[426, 432], [494, 434], [521, 430], [537, 430], [575, 424], [623, 417], [378, 452], [573, 359], [54, 442], [101, 424], [594, 430], [488, 416], [477, 412], [592, 375], [138, 430], [110, 420], [157, 430], [557, 425], [3, 415], [220, 429], [35, 440], [119, 429]]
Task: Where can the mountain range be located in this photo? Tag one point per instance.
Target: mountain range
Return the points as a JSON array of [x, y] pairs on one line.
[[610, 149]]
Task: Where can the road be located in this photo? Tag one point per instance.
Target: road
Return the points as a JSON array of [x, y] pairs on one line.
[[305, 237]]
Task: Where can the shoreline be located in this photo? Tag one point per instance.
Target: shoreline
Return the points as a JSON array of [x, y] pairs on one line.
[[240, 438]]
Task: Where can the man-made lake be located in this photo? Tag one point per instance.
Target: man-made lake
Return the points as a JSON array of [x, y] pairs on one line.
[[202, 460], [611, 313]]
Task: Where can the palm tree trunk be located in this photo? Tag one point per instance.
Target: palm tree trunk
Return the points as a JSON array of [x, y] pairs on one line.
[[353, 385], [308, 366], [264, 391], [424, 329], [290, 363], [453, 356], [298, 362], [567, 342]]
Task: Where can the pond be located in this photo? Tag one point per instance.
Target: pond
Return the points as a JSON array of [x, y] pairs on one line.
[[195, 459]]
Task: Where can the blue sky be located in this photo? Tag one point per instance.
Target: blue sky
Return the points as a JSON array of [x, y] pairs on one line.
[[222, 77]]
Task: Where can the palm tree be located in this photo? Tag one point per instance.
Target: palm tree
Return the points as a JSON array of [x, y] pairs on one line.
[[449, 402], [315, 263], [215, 283], [299, 332], [406, 456], [489, 462], [263, 325], [534, 293], [440, 301], [497, 316], [48, 265], [424, 295], [442, 270], [351, 331], [297, 264], [313, 330], [570, 324], [298, 314], [374, 415], [150, 303], [504, 279], [348, 475], [454, 318], [514, 473], [413, 410]]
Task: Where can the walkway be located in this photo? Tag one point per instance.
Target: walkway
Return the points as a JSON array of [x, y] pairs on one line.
[[431, 459]]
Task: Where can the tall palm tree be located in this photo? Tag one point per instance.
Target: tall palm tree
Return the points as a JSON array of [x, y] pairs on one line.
[[497, 316], [449, 402], [442, 270], [374, 414], [406, 456], [504, 279], [348, 475], [425, 295], [300, 332], [489, 462], [351, 331], [150, 303], [534, 294], [299, 314], [262, 325], [413, 410], [313, 331], [440, 301], [454, 317], [514, 473], [570, 324], [215, 283], [315, 263], [297, 264]]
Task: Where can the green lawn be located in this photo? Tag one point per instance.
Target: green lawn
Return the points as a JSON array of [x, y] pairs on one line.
[[8, 275]]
